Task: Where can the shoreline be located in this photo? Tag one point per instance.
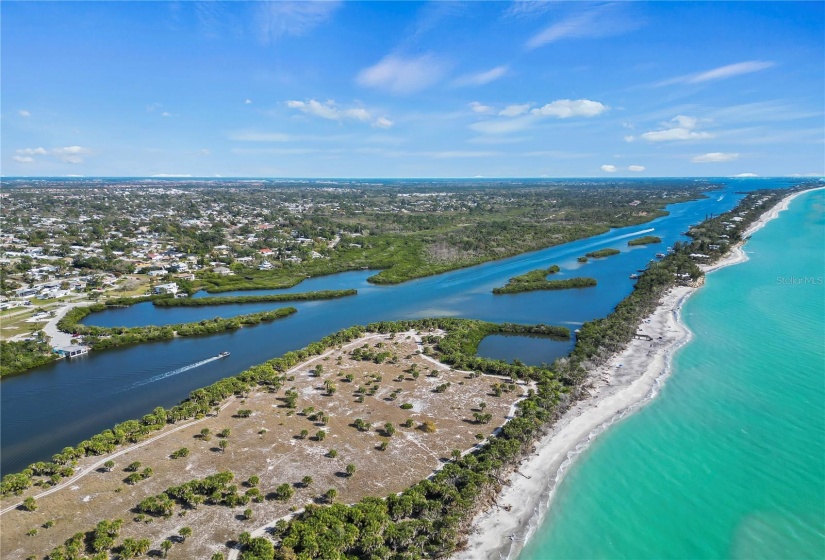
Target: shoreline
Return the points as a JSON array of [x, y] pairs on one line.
[[621, 386]]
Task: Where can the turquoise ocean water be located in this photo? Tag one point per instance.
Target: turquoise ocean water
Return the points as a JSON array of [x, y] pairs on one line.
[[729, 460]]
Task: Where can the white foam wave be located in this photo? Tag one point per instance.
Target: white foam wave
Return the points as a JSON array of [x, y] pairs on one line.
[[173, 372]]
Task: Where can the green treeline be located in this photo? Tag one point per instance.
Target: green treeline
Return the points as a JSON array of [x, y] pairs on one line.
[[127, 301], [199, 403], [99, 338], [597, 340], [430, 518], [600, 339], [533, 277], [601, 253], [534, 280], [251, 280], [647, 239], [715, 236], [17, 357], [305, 296], [404, 246]]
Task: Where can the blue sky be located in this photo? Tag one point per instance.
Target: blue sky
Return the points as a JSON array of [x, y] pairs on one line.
[[409, 89]]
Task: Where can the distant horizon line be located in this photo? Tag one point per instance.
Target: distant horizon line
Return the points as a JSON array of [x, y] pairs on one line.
[[478, 178]]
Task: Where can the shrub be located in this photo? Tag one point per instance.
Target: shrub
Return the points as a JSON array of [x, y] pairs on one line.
[[428, 427]]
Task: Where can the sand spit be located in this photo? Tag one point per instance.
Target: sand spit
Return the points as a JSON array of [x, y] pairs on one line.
[[617, 388]]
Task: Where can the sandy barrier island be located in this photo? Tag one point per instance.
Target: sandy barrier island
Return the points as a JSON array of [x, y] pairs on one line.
[[616, 389]]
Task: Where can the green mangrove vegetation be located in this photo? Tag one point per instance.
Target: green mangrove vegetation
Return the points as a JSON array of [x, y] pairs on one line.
[[532, 277], [645, 240], [430, 518], [226, 300], [99, 338], [535, 280], [602, 253], [17, 357]]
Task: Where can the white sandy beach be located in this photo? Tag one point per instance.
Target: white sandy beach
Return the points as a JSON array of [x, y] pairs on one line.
[[616, 389]]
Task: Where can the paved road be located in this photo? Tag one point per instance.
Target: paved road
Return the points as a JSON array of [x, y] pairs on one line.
[[58, 338]]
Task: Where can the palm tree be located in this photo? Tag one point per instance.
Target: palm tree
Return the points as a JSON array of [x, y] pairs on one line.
[[185, 532], [165, 546]]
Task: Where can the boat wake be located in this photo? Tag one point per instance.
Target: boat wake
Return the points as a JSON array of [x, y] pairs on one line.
[[173, 372]]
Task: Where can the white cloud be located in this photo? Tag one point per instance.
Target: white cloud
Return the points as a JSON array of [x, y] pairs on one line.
[[519, 116], [684, 130], [70, 151], [636, 168], [153, 107], [166, 114], [566, 108], [629, 138], [675, 134], [312, 107], [720, 73], [480, 108], [715, 157], [330, 111], [32, 152], [23, 159], [248, 102], [171, 175], [24, 113], [383, 122], [68, 154], [603, 21], [503, 126], [685, 122], [746, 175], [515, 110], [402, 75], [609, 168], [357, 114], [481, 78], [276, 19]]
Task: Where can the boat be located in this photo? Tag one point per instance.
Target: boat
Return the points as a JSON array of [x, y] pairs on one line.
[[634, 276], [660, 255], [223, 354]]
